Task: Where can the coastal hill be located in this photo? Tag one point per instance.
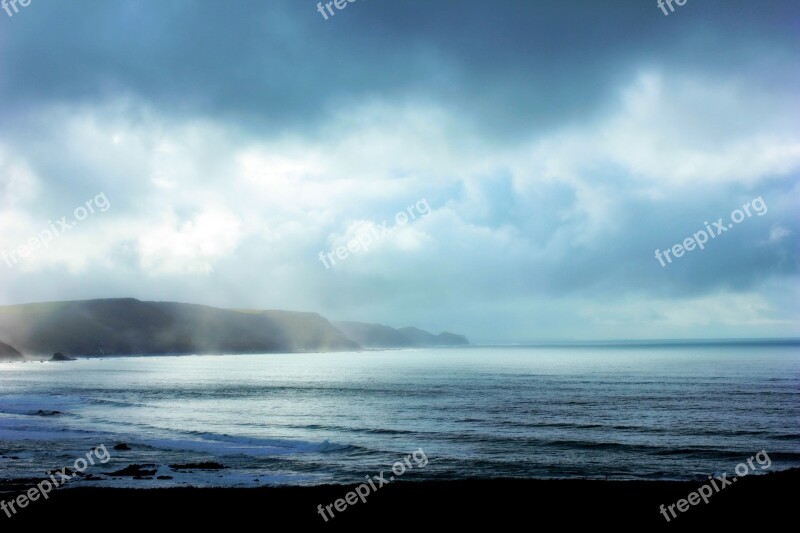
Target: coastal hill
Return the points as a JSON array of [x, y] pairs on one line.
[[132, 327], [377, 336], [7, 352]]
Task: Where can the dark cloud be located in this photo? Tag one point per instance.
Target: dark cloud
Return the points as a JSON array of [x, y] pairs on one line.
[[510, 66]]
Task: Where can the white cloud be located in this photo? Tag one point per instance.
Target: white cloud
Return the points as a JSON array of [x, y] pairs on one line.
[[675, 131], [193, 198], [190, 246], [778, 233]]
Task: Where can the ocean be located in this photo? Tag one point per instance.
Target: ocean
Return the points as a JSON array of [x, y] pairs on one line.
[[638, 411]]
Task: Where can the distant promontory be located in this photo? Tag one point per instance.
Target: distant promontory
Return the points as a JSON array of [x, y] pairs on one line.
[[132, 327], [377, 336]]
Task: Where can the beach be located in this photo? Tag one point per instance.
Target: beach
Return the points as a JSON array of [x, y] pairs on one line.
[[759, 501]]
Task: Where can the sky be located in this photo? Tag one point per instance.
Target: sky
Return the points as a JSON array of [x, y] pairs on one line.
[[506, 170]]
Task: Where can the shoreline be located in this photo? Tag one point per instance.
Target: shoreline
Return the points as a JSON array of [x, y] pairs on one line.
[[756, 500]]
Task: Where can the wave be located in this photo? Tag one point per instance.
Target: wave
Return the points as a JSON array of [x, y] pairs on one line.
[[220, 444]]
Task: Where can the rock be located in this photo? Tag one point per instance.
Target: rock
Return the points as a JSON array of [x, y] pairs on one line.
[[58, 356], [198, 466], [121, 447], [135, 471]]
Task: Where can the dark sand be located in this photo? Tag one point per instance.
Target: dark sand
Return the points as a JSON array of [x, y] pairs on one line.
[[766, 500]]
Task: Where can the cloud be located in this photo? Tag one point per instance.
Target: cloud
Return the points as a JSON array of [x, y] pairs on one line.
[[778, 233], [554, 162], [191, 246]]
